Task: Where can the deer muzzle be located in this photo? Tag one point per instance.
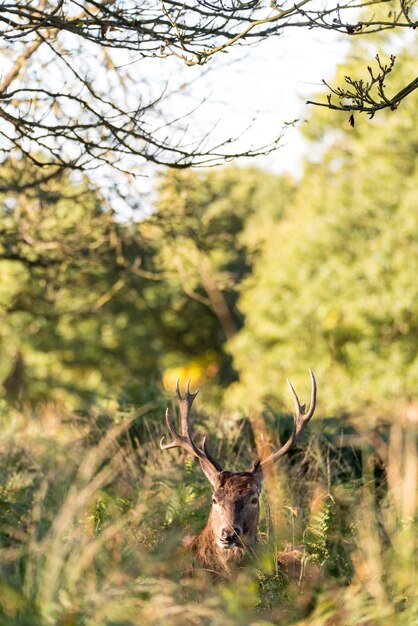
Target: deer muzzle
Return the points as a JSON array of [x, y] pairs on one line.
[[230, 537]]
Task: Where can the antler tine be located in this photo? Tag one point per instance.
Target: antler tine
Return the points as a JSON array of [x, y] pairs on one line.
[[188, 392], [300, 420], [209, 456], [178, 390], [176, 436], [303, 418], [313, 394], [299, 408], [183, 440], [185, 405]]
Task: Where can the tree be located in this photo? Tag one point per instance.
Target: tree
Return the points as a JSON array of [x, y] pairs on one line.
[[203, 232], [63, 259], [81, 301], [89, 304], [335, 287], [71, 91]]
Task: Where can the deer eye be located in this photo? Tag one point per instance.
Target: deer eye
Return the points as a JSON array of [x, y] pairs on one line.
[[214, 500]]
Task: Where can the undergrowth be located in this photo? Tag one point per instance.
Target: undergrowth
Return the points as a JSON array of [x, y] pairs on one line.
[[92, 518]]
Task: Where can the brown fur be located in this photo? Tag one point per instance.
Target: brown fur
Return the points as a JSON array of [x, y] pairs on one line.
[[211, 558], [291, 563], [233, 494]]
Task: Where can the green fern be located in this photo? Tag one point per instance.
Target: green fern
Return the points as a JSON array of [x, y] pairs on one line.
[[316, 536], [327, 542]]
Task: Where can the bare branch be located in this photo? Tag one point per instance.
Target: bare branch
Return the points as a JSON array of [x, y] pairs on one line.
[[79, 109], [367, 96]]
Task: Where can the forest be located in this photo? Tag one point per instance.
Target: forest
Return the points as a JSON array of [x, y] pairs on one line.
[[238, 278]]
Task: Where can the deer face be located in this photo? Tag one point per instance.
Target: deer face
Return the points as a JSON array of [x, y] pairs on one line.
[[235, 509]]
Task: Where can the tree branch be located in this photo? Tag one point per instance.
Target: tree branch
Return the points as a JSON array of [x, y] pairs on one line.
[[367, 96]]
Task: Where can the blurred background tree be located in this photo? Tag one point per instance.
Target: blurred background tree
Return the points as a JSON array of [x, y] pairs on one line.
[[200, 229], [63, 258], [90, 303], [335, 286]]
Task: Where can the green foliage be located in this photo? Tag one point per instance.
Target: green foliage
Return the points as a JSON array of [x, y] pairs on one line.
[[316, 537], [16, 609], [201, 230], [334, 287], [328, 540], [238, 277], [62, 256], [89, 304]]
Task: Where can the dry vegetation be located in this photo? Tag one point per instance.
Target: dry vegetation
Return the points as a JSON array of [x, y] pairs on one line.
[[92, 516]]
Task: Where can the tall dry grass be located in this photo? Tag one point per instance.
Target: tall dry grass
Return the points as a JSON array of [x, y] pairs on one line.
[[91, 524]]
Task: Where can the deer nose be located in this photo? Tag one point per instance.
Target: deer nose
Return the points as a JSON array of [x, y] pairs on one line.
[[230, 534]]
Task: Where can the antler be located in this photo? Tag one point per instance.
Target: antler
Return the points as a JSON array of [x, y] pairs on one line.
[[184, 440], [300, 420]]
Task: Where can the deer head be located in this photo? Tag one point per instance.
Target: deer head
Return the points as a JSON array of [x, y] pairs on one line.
[[233, 519]]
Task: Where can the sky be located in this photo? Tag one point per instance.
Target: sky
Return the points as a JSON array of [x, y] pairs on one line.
[[271, 84], [251, 93]]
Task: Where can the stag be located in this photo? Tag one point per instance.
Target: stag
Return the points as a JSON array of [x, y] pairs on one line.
[[230, 534]]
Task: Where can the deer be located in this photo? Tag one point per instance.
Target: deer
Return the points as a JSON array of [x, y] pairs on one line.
[[230, 534]]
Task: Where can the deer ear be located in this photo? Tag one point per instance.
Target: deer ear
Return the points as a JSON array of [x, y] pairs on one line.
[[211, 473]]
